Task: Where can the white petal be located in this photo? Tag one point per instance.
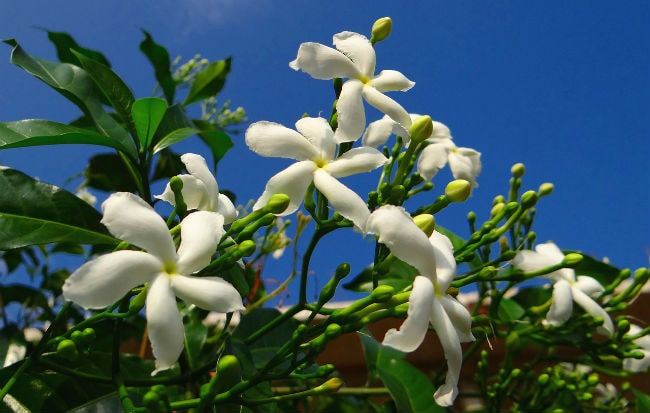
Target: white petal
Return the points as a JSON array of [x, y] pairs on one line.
[[200, 235], [104, 280], [551, 251], [643, 341], [359, 49], [344, 200], [350, 112], [588, 285], [131, 219], [440, 132], [357, 160], [319, 133], [197, 167], [226, 208], [209, 293], [390, 80], [446, 394], [546, 255], [164, 324], [403, 237], [637, 365], [443, 252], [412, 331], [323, 62], [562, 305], [195, 193], [292, 181], [595, 310], [465, 164], [378, 132], [386, 105], [459, 316], [273, 139], [432, 158]]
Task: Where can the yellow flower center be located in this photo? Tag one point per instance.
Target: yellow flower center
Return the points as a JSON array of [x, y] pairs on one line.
[[170, 268], [320, 163], [365, 80]]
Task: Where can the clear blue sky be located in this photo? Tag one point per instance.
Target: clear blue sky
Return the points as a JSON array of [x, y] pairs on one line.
[[563, 87]]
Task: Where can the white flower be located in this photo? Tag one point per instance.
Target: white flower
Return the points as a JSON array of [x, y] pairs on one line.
[[638, 365], [355, 59], [104, 280], [566, 288], [434, 258], [200, 190], [86, 195], [465, 163], [314, 147]]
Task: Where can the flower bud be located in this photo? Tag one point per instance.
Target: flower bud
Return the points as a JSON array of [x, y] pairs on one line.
[[458, 190], [246, 248], [421, 129], [277, 203], [528, 199], [382, 293], [518, 170], [333, 384], [333, 330], [497, 209], [381, 29], [545, 189], [426, 222], [67, 349], [138, 301], [572, 259]]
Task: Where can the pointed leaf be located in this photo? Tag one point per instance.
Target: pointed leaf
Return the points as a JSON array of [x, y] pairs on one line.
[[147, 114], [174, 127], [642, 401], [209, 81], [76, 85], [66, 47], [33, 212], [116, 92], [218, 141], [159, 58], [510, 311], [168, 164], [39, 132], [108, 172]]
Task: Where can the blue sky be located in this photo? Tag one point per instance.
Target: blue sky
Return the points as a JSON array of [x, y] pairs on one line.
[[563, 87]]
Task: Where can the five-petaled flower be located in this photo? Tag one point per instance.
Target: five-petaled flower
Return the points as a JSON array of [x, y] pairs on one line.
[[314, 147], [429, 302], [200, 190], [465, 163], [566, 287], [107, 278], [355, 59]]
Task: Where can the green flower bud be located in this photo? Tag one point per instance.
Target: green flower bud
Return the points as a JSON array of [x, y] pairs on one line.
[[382, 293], [138, 301], [499, 199], [246, 248], [333, 330], [528, 199], [542, 379], [518, 170], [426, 222], [458, 190], [545, 189], [497, 209], [332, 385], [623, 326], [67, 349], [397, 194], [381, 29], [593, 379], [342, 271], [572, 260], [151, 400], [277, 203], [421, 129]]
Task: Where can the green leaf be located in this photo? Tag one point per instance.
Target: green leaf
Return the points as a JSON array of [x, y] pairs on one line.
[[195, 334], [116, 92], [68, 50], [147, 114], [411, 390], [76, 85], [532, 296], [39, 132], [159, 58], [642, 402], [168, 164], [398, 275], [108, 172], [218, 141], [33, 212], [174, 127], [510, 311], [603, 273], [209, 81]]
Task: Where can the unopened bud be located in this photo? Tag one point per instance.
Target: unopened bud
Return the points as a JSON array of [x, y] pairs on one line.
[[381, 29], [421, 129], [458, 190], [572, 259], [518, 170], [333, 384], [496, 209], [623, 326], [528, 199], [246, 248], [333, 330], [277, 203], [545, 189], [426, 222], [382, 293]]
